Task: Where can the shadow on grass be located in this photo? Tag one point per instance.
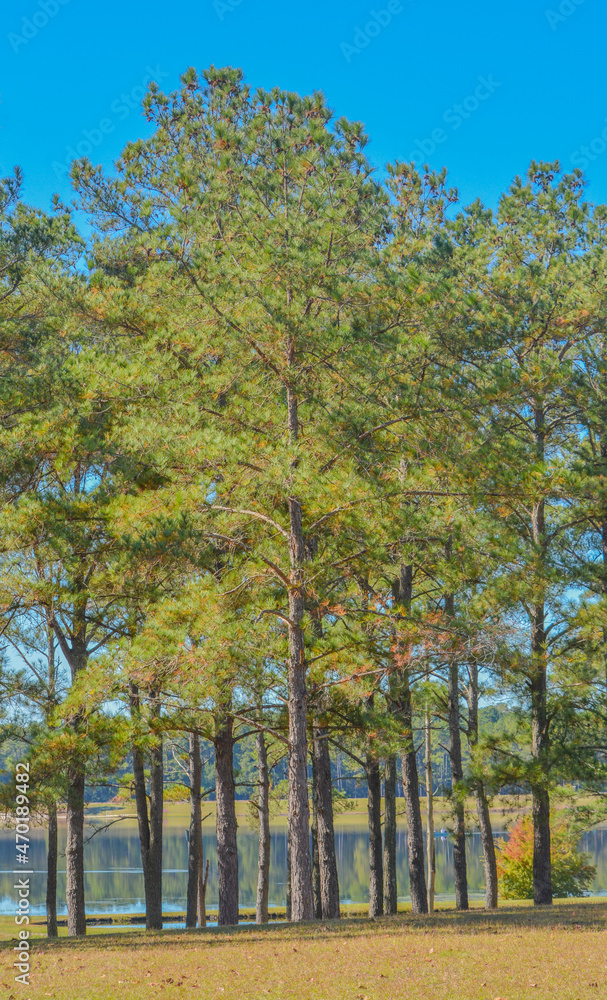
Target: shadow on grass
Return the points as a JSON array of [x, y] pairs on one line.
[[574, 916]]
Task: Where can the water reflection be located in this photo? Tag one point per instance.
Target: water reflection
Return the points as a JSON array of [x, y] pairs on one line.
[[114, 882]]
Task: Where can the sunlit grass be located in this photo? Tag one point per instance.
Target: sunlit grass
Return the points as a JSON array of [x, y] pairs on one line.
[[354, 816], [555, 953], [504, 809]]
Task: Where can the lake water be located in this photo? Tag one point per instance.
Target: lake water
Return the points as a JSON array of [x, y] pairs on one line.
[[114, 880]]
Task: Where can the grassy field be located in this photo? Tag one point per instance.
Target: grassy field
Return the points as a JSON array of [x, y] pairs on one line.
[[178, 813], [516, 954]]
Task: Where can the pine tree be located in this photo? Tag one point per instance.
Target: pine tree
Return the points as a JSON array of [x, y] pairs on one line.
[[254, 216]]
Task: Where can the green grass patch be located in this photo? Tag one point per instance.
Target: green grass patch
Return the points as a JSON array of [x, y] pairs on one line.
[[518, 953]]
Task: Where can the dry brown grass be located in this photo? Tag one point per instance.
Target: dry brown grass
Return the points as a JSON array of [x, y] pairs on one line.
[[517, 954]]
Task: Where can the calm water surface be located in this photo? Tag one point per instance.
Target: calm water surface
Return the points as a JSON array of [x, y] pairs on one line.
[[114, 880]]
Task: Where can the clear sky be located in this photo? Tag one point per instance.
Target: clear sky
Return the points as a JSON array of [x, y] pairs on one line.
[[481, 87]]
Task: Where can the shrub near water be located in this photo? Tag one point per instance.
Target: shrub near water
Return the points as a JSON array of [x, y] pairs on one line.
[[572, 875]]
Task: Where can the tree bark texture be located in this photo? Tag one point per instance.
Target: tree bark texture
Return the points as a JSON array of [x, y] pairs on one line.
[[542, 873], [263, 808], [288, 904], [51, 873], [376, 873], [202, 893], [195, 838], [489, 857], [540, 738], [74, 853], [329, 882], [430, 843], [402, 705], [415, 834], [74, 846], [150, 825], [390, 886], [154, 877], [480, 796], [52, 853], [227, 850], [302, 902], [150, 846], [315, 856], [457, 777]]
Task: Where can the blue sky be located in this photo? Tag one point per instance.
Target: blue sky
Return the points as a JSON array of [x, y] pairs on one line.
[[479, 87]]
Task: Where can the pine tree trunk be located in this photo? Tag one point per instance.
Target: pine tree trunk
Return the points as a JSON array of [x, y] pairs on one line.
[[390, 887], [77, 657], [490, 860], [402, 706], [74, 853], [542, 874], [299, 809], [482, 805], [376, 872], [52, 853], [154, 875], [51, 869], [457, 777], [74, 845], [315, 856], [263, 807], [540, 743], [195, 838], [143, 822], [302, 903], [202, 892], [415, 833], [329, 882], [227, 850], [430, 843], [288, 905], [150, 837]]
